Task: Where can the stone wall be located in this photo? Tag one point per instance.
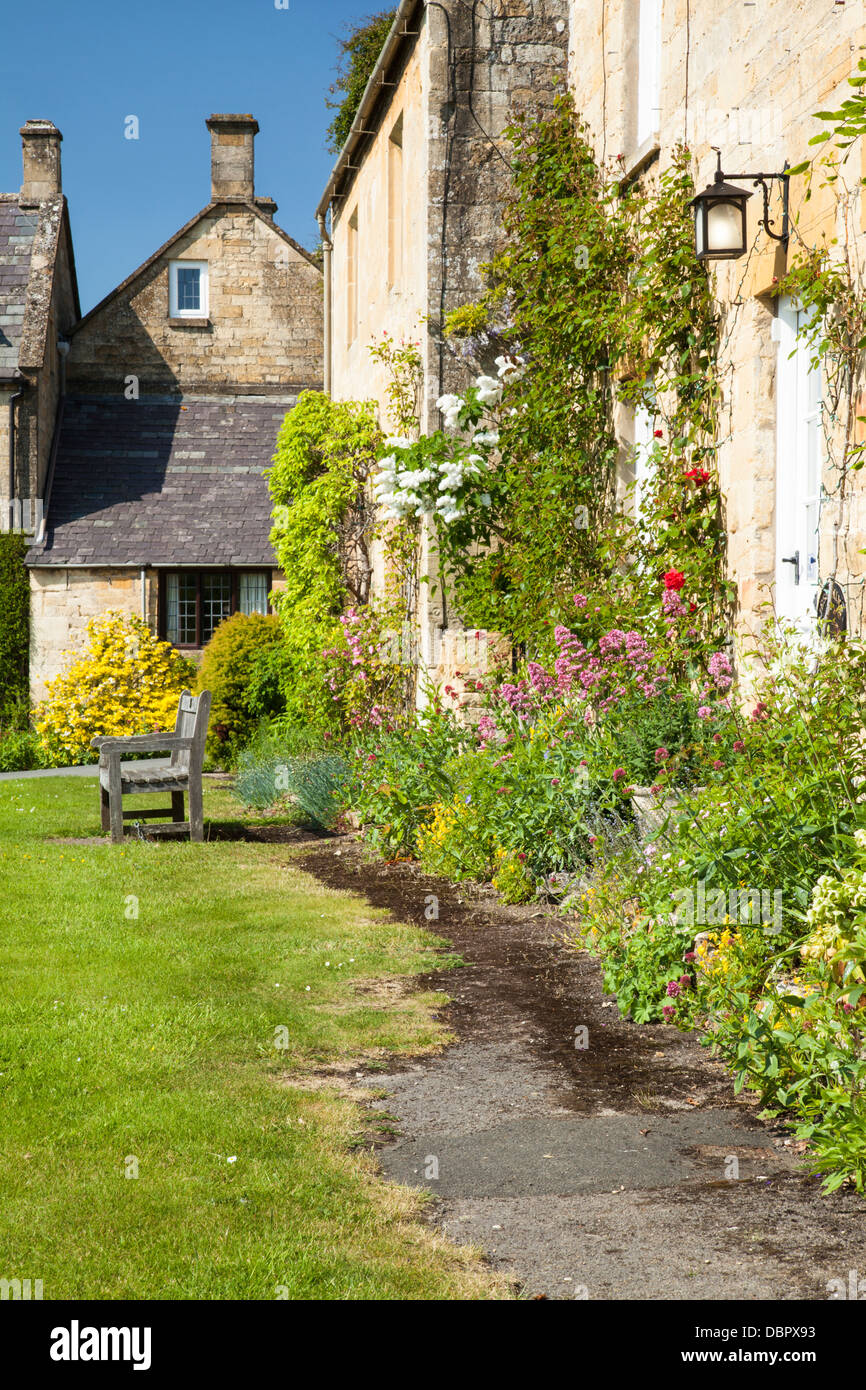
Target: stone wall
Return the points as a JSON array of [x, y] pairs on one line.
[[460, 82], [264, 324], [62, 602], [747, 79]]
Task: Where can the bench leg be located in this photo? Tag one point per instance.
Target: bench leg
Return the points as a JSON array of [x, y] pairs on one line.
[[177, 807], [115, 799], [103, 806], [196, 813]]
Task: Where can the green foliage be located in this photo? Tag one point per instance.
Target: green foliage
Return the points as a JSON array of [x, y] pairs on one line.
[[14, 626], [359, 53], [325, 452], [228, 662], [397, 778], [511, 880], [21, 750]]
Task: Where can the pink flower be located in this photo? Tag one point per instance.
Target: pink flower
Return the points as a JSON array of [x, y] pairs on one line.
[[739, 746], [720, 669], [668, 1012], [718, 764], [661, 755], [554, 781], [674, 988], [704, 712], [619, 774], [580, 600]]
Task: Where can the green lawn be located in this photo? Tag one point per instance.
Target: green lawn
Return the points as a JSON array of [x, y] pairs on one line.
[[149, 1043]]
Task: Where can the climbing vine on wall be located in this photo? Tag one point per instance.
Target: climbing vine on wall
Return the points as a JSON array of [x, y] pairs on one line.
[[598, 293], [322, 528]]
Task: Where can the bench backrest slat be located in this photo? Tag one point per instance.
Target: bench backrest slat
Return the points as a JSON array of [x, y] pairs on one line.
[[193, 712]]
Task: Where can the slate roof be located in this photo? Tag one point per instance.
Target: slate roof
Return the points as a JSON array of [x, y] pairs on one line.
[[17, 232], [162, 481]]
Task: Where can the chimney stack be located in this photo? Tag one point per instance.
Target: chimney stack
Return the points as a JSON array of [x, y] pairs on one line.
[[232, 158], [40, 146]]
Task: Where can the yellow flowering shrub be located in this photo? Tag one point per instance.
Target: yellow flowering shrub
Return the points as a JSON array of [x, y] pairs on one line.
[[125, 681], [456, 841]]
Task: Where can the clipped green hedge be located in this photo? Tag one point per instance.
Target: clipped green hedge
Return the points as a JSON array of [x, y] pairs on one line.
[[14, 626]]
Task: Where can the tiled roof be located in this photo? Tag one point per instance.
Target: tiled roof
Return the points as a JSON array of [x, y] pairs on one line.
[[17, 231], [162, 481]]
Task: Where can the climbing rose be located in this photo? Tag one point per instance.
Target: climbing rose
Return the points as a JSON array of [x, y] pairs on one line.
[[674, 579]]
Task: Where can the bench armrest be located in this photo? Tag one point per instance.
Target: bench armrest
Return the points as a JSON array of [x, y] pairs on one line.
[[141, 743]]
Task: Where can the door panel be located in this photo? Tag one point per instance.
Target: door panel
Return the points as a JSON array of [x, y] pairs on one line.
[[799, 459]]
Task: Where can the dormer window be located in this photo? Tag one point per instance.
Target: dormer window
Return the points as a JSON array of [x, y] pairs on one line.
[[187, 290]]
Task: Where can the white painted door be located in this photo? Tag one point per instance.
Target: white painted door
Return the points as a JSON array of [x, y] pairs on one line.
[[799, 460]]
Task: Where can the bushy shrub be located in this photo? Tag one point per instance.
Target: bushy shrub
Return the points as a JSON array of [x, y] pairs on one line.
[[227, 665], [125, 681], [21, 750]]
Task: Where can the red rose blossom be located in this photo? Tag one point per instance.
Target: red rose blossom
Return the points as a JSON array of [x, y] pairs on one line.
[[674, 579]]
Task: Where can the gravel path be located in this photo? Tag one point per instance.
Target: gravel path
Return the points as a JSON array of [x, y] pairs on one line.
[[90, 770], [606, 1172]]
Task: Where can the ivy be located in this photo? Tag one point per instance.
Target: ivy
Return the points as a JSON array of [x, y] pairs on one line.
[[359, 53]]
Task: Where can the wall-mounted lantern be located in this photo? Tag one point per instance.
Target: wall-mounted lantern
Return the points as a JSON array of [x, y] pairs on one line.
[[720, 215]]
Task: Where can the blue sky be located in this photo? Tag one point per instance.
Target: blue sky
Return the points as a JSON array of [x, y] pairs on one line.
[[170, 63]]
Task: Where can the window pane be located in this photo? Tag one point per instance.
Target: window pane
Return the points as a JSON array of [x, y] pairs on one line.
[[253, 593], [188, 287], [216, 602], [180, 606]]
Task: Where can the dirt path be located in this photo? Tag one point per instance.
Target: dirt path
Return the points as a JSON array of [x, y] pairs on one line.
[[603, 1172]]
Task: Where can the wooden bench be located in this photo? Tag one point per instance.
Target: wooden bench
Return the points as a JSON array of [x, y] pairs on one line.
[[182, 774]]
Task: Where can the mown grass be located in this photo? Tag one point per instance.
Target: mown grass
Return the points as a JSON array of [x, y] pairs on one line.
[[143, 990]]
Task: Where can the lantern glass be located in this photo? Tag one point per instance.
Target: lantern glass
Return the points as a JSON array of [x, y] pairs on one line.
[[724, 227]]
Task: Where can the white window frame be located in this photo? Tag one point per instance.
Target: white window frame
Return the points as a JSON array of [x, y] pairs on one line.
[[649, 65], [173, 311]]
